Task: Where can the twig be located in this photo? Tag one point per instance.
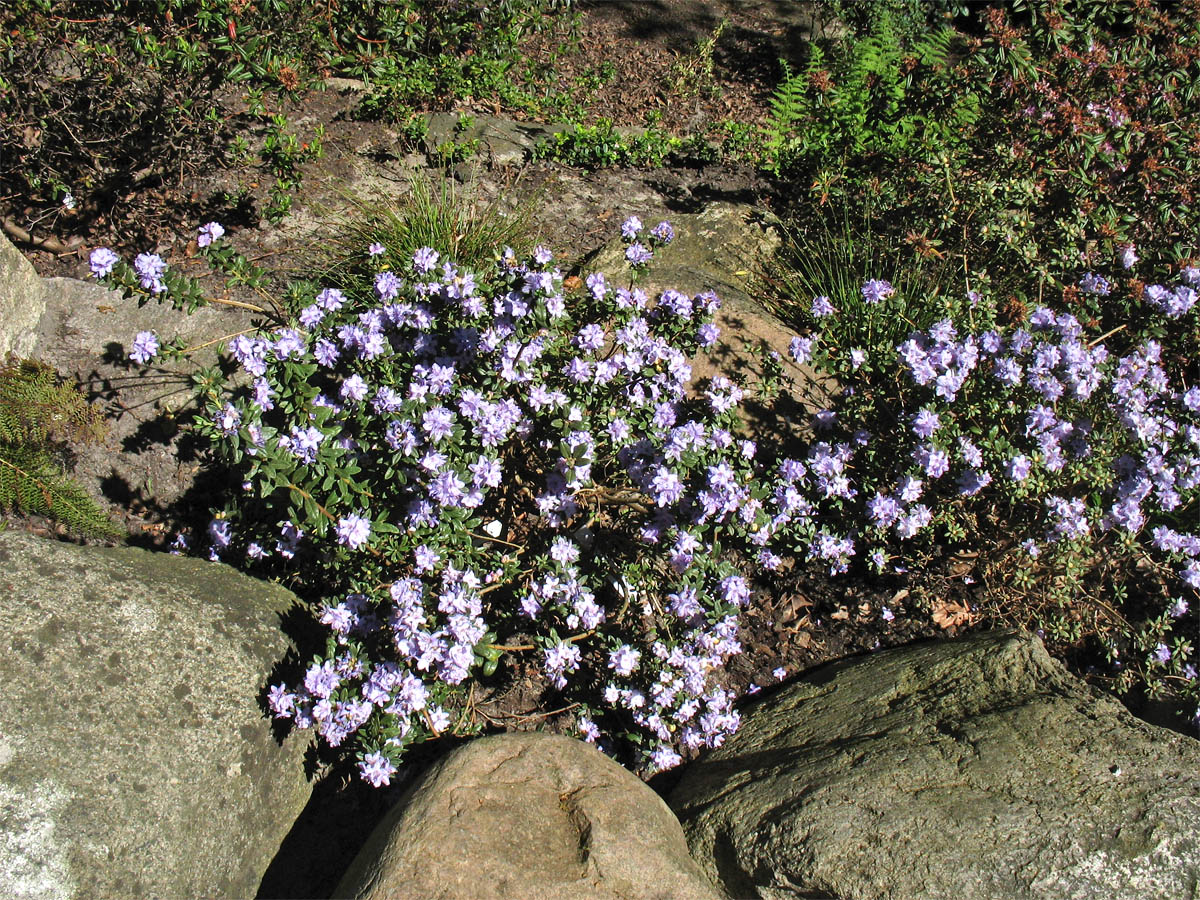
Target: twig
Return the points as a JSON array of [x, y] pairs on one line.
[[1107, 335], [570, 640], [51, 243], [240, 305], [525, 717], [218, 340]]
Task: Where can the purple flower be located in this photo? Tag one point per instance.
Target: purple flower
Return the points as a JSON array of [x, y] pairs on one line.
[[801, 349], [376, 249], [624, 660], [564, 551], [331, 299], [590, 338], [884, 510], [735, 590], [886, 614], [353, 531], [1128, 256], [664, 758], [209, 233], [637, 255], [326, 353], [101, 261], [1162, 653], [145, 347], [376, 769], [426, 559], [631, 227], [1018, 467], [438, 423], [425, 259], [281, 700], [560, 659], [779, 673], [821, 307], [874, 291], [353, 389], [925, 423], [972, 481], [663, 233], [448, 489], [1071, 517], [917, 518], [263, 394], [935, 462], [220, 531], [387, 286], [667, 487], [150, 268], [311, 316], [1091, 283]]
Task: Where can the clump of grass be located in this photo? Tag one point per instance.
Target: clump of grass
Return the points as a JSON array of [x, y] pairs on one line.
[[834, 257], [431, 214]]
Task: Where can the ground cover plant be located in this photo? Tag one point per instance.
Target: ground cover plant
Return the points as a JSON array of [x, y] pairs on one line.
[[1027, 426], [1061, 465], [1032, 158], [457, 468]]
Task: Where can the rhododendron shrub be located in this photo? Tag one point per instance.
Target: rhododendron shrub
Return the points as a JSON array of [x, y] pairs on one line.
[[461, 470], [474, 464], [1062, 466]]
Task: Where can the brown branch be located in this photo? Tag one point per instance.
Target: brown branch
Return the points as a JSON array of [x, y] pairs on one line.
[[572, 639], [51, 243]]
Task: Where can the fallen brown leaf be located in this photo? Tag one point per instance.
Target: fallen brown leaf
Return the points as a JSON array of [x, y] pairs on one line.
[[948, 614]]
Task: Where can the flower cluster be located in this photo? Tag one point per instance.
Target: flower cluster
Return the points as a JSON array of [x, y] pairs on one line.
[[1091, 454], [467, 467], [471, 465]]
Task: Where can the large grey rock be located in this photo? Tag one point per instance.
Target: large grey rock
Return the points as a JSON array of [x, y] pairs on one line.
[[134, 759], [22, 300], [86, 333], [527, 816], [971, 769]]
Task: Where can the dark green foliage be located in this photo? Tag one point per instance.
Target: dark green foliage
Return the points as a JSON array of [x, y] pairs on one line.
[[1030, 143], [855, 100], [601, 146], [38, 415]]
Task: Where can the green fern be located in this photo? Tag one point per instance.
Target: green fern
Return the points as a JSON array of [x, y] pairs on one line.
[[788, 106], [38, 414]]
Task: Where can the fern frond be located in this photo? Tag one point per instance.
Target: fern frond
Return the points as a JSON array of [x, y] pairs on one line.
[[32, 484], [37, 407], [37, 411], [932, 49]]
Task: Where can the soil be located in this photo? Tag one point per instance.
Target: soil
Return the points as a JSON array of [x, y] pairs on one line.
[[153, 479]]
